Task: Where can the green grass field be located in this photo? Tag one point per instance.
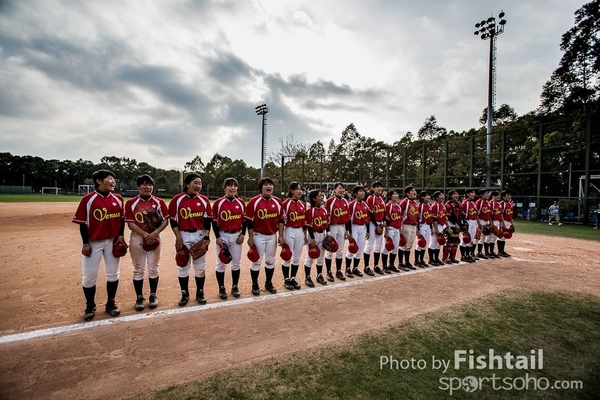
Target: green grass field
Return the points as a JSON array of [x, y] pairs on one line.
[[566, 326]]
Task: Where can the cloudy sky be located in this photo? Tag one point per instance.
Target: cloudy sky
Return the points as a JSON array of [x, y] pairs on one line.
[[163, 81]]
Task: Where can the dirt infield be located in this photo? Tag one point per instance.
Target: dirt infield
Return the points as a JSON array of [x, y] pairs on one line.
[[41, 288]]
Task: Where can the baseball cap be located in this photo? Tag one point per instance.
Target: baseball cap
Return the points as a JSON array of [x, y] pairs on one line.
[[225, 254], [402, 240], [422, 242], [466, 237], [441, 239], [389, 244], [352, 246], [314, 251], [150, 247], [253, 254], [507, 234], [118, 250], [182, 257], [286, 253]]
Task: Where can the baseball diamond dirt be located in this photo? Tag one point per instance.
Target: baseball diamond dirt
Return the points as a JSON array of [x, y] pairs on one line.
[[118, 357]]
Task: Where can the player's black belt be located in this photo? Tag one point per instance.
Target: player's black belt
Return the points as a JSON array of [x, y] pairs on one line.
[[191, 230], [359, 224], [411, 224], [239, 230], [319, 231]]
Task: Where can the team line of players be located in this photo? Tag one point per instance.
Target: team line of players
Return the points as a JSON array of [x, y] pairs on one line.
[[369, 223]]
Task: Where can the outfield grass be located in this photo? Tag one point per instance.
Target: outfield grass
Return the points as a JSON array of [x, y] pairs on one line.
[[566, 326], [44, 198], [574, 231]]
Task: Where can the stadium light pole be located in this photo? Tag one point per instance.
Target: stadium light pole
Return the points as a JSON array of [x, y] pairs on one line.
[[263, 110], [488, 29]]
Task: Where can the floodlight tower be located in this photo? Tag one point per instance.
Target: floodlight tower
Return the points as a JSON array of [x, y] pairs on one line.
[[488, 29], [263, 110]]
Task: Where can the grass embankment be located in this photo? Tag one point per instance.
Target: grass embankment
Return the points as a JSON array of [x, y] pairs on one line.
[[566, 326]]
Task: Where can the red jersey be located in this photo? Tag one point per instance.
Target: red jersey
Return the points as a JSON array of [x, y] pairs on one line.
[[337, 207], [317, 218], [410, 211], [484, 209], [190, 211], [496, 211], [360, 212], [229, 213], [295, 211], [425, 214], [453, 211], [377, 206], [393, 215], [439, 213], [265, 214], [103, 215], [139, 210], [468, 209], [507, 211]]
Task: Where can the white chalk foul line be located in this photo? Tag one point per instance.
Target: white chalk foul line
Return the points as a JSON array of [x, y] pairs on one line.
[[536, 261], [17, 337]]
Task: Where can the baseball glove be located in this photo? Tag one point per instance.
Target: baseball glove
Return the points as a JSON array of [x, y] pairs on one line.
[[449, 230], [486, 230], [199, 249], [478, 234], [464, 228], [152, 220], [378, 230], [328, 243], [512, 228]]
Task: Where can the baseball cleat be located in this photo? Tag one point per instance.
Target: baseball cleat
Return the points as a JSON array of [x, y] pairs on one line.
[[340, 275], [185, 297], [235, 291], [288, 284], [222, 293], [295, 284], [308, 282], [139, 303], [378, 270], [482, 256], [330, 277], [270, 288], [369, 271], [393, 268], [409, 266], [560, 223], [403, 268], [349, 273], [321, 280], [89, 313], [153, 301], [112, 309], [255, 290], [386, 270], [504, 254], [356, 272], [200, 297]]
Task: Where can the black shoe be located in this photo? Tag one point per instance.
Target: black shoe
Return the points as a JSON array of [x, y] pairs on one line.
[[185, 297], [403, 268], [200, 297], [433, 263], [288, 284], [378, 270], [356, 272], [235, 291], [473, 258], [329, 277], [482, 256], [255, 290], [422, 264], [409, 266], [393, 268], [321, 280], [222, 293], [349, 273], [308, 282], [504, 254], [340, 275], [153, 301], [270, 288], [139, 303], [369, 271], [386, 270], [89, 313], [295, 284], [112, 309], [494, 255]]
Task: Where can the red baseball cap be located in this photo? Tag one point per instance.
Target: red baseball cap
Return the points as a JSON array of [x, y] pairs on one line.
[[422, 242], [389, 244], [286, 252], [182, 257], [253, 254], [507, 234], [118, 250], [402, 240], [441, 239], [314, 251], [466, 237], [352, 246], [225, 254], [151, 247], [335, 245]]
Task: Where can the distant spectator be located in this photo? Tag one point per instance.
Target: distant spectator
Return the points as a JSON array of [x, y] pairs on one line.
[[554, 214], [597, 212]]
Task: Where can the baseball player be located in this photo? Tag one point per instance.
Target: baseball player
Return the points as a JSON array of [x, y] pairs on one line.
[[424, 229], [339, 225], [393, 226], [496, 220], [469, 213], [146, 216], [294, 233], [439, 221], [410, 219], [375, 201], [317, 225], [454, 222], [265, 219], [360, 215], [229, 228], [554, 214], [191, 219], [484, 218], [507, 220], [101, 220]]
